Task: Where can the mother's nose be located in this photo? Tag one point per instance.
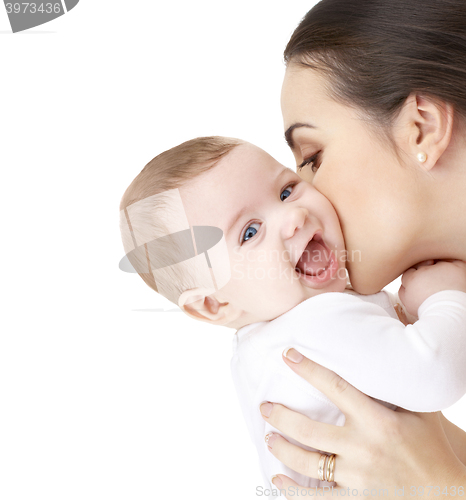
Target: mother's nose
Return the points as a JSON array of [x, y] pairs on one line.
[[293, 218]]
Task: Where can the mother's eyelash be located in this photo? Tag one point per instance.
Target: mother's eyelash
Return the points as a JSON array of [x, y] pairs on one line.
[[314, 159]]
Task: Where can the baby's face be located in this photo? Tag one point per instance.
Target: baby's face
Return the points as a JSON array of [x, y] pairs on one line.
[[284, 239]]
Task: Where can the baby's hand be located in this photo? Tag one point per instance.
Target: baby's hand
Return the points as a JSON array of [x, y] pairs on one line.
[[423, 280]]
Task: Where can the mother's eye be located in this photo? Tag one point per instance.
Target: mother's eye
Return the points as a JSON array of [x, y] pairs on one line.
[[313, 160]]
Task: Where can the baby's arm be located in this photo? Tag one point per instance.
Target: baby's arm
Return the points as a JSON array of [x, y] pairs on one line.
[[420, 367], [428, 278]]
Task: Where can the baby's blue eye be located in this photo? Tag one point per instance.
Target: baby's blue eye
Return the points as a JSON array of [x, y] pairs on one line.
[[251, 231], [285, 193]]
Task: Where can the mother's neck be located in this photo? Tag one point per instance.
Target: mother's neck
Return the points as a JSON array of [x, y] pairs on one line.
[[443, 218]]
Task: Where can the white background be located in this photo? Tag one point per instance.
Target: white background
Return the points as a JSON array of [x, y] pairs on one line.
[[100, 399]]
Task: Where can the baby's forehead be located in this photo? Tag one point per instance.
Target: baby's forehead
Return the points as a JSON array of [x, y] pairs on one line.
[[243, 176]]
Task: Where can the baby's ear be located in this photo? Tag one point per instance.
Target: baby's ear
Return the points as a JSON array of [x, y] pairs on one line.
[[201, 304]]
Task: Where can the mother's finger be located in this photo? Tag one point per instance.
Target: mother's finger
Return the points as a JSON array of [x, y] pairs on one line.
[[302, 429], [303, 461], [291, 489], [348, 399]]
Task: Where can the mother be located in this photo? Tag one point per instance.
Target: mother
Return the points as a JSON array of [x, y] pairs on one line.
[[374, 107]]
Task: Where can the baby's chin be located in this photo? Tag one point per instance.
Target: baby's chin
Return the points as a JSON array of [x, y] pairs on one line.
[[283, 301], [338, 286]]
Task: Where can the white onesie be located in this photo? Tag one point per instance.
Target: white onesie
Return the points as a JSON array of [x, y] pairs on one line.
[[420, 367]]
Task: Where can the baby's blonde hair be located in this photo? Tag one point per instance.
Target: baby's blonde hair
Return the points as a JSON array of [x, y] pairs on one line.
[[148, 206]]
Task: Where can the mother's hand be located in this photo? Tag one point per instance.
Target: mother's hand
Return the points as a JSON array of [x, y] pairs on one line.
[[377, 448]]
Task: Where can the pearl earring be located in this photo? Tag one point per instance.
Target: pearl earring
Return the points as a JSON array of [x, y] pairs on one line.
[[422, 157]]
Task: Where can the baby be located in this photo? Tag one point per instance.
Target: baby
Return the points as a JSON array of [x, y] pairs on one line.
[[236, 239]]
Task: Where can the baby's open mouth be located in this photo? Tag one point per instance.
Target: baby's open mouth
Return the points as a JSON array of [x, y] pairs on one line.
[[315, 259]]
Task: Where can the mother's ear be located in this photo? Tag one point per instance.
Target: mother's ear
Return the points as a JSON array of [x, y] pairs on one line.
[[424, 127], [202, 304]]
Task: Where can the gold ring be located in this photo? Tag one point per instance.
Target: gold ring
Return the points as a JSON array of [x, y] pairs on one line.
[[330, 469], [320, 470]]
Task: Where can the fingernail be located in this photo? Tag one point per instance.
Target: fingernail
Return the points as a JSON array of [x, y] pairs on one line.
[[270, 439], [276, 481], [266, 409], [293, 355]]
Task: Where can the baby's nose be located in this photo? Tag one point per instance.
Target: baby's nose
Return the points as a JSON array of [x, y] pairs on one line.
[[294, 219]]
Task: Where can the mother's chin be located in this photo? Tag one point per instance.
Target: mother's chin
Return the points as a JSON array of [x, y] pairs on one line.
[[365, 286], [368, 276]]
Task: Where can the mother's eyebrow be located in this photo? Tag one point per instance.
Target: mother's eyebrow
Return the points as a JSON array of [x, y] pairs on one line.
[[289, 132]]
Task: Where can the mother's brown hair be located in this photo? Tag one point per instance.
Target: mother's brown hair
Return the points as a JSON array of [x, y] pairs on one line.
[[377, 52]]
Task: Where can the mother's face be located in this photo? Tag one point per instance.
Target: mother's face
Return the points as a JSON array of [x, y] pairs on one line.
[[347, 161]]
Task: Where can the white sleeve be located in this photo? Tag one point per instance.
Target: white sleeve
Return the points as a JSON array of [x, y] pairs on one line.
[[420, 367]]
